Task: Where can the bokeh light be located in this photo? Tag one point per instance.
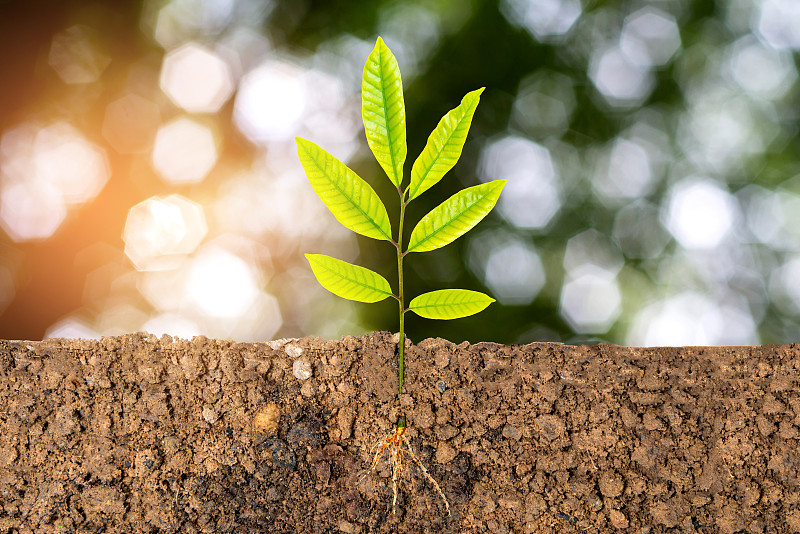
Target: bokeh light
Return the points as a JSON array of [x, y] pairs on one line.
[[31, 211], [185, 151], [71, 327], [692, 319], [761, 71], [700, 213], [159, 232], [544, 103], [77, 56], [531, 197], [650, 37], [545, 19], [45, 171], [591, 301], [778, 22], [271, 101], [196, 79], [510, 267], [621, 80], [221, 284]]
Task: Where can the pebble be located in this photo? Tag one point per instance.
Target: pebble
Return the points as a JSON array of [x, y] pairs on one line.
[[293, 350], [445, 453], [302, 369], [276, 344], [618, 519], [266, 420], [611, 485], [308, 389], [210, 414], [396, 339]]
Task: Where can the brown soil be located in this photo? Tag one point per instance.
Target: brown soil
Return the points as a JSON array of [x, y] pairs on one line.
[[139, 434]]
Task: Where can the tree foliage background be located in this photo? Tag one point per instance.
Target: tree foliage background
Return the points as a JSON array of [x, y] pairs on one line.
[[148, 179]]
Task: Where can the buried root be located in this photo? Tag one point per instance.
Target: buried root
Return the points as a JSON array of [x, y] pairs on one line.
[[398, 446]]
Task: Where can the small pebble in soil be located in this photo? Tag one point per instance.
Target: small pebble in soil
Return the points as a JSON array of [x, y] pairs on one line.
[[618, 519], [302, 369], [210, 414], [445, 453], [267, 419], [441, 385], [293, 350], [572, 520]]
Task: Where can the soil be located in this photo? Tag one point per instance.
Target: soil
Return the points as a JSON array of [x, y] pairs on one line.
[[141, 434]]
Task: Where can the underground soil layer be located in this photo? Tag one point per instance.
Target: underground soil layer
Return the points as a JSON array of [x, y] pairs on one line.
[[144, 434]]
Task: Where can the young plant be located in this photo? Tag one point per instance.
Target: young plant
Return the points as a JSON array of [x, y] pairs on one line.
[[356, 205]]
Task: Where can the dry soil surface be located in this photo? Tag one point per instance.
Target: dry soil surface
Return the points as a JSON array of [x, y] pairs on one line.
[[140, 434]]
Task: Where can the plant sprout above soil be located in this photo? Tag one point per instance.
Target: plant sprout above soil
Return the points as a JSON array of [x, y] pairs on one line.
[[358, 207]]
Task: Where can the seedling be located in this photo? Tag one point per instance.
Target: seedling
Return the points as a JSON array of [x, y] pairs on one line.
[[356, 205]]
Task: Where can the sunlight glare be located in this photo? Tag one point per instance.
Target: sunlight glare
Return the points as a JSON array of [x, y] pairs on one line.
[[689, 319], [185, 151], [700, 213], [159, 232], [271, 101], [196, 79], [221, 284]]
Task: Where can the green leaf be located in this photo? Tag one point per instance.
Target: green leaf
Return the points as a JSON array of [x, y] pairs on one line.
[[351, 200], [455, 216], [444, 146], [383, 111], [347, 280], [449, 303]]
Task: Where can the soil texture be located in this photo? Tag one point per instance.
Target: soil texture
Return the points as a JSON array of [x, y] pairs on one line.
[[144, 434]]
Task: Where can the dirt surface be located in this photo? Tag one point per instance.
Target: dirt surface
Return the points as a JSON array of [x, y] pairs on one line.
[[140, 434]]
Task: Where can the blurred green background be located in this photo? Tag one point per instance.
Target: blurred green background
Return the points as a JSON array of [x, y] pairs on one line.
[[149, 179]]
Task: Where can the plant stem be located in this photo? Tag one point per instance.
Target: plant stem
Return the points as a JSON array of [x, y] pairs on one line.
[[402, 339]]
